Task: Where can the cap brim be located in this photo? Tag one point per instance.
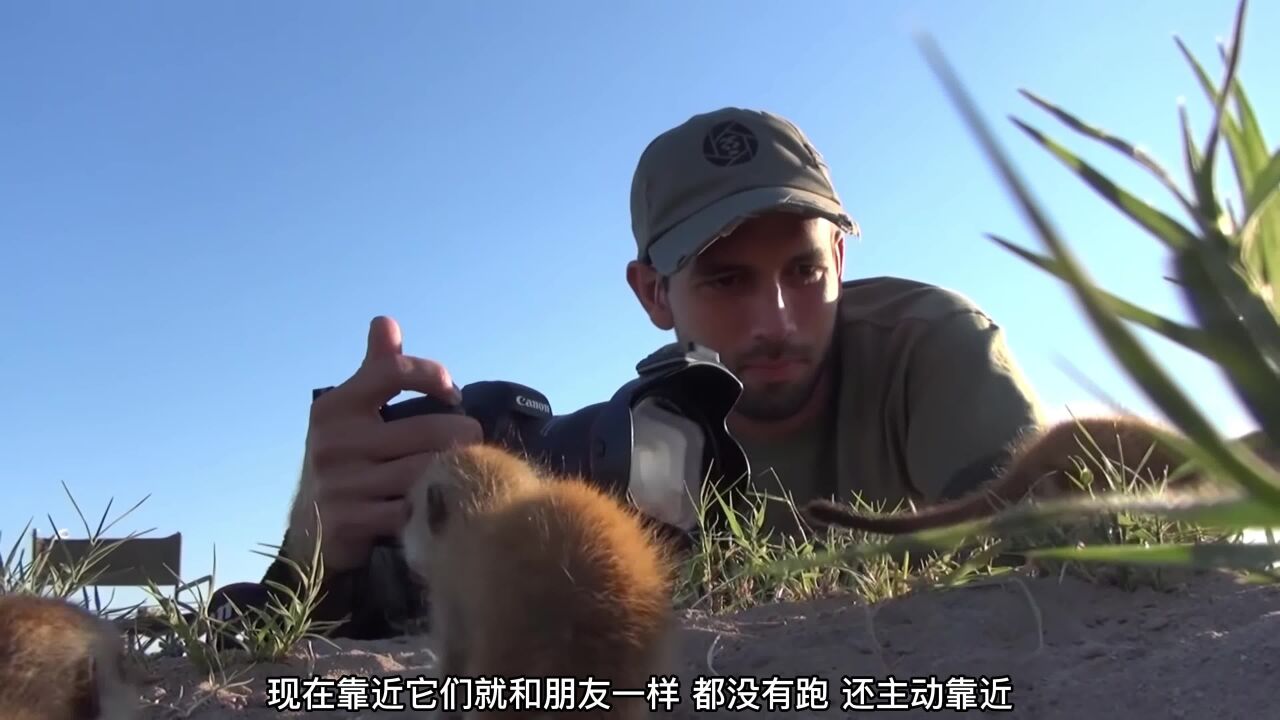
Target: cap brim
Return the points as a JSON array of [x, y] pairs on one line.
[[685, 241]]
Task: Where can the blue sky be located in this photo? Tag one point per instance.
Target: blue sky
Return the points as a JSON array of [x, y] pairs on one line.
[[204, 205]]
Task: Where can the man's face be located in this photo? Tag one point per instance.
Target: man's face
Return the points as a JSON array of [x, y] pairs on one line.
[[765, 299]]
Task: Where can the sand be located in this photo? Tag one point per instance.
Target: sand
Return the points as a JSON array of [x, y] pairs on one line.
[[1207, 650]]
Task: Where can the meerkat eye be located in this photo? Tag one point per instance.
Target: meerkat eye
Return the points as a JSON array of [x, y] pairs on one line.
[[437, 509]]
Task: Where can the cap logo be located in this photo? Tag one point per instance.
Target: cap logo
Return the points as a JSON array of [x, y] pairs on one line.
[[729, 143]]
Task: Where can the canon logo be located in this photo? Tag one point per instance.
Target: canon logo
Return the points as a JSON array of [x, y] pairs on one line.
[[523, 401]]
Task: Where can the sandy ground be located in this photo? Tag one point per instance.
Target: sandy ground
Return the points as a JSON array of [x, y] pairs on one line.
[[1205, 651]]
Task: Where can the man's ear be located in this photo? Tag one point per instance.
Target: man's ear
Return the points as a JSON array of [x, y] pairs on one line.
[[647, 284]]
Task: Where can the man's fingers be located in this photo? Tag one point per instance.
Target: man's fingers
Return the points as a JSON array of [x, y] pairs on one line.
[[418, 434], [383, 377], [378, 482], [384, 339], [386, 372], [365, 441], [366, 520]]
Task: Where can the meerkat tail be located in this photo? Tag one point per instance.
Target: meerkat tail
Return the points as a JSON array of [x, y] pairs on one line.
[[825, 512], [1040, 465]]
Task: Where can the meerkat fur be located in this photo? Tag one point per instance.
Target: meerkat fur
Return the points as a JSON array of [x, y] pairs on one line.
[[58, 661], [530, 575]]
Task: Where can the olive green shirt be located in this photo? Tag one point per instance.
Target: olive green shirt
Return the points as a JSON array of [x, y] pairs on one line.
[[927, 398]]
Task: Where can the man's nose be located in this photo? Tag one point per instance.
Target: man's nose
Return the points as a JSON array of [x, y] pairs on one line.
[[771, 315]]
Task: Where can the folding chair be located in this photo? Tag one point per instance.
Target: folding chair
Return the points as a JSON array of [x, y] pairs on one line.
[[129, 562]]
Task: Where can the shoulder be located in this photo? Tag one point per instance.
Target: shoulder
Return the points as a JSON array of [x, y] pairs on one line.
[[886, 324], [904, 305]]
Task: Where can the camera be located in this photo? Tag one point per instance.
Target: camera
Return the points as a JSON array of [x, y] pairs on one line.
[[655, 442]]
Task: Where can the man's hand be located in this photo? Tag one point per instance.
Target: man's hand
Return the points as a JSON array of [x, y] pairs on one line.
[[357, 467]]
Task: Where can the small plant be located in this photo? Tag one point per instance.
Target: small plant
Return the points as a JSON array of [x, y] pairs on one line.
[[735, 563], [1225, 265], [270, 633], [263, 634], [40, 575], [186, 629]]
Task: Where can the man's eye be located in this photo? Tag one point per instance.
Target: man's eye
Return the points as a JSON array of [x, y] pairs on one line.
[[721, 281], [810, 272]]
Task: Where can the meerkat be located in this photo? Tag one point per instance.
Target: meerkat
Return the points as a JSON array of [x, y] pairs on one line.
[[530, 575], [59, 661], [1042, 466]]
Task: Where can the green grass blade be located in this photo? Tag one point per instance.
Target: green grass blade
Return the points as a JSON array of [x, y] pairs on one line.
[[1223, 514], [1206, 82], [1250, 128], [1168, 230], [1264, 191], [1189, 337], [1191, 158], [1237, 462], [1252, 147], [1201, 556], [1243, 362], [1121, 145], [1255, 155], [1204, 181], [1229, 128], [1024, 520], [1123, 345], [1260, 234], [1216, 280]]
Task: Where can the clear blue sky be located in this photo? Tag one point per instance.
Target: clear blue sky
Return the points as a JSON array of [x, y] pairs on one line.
[[204, 205]]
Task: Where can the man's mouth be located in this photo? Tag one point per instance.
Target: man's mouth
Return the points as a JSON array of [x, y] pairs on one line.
[[773, 370]]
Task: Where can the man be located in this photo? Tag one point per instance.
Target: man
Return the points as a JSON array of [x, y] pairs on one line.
[[890, 388]]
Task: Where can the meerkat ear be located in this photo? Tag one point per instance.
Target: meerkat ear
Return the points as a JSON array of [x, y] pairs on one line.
[[437, 509]]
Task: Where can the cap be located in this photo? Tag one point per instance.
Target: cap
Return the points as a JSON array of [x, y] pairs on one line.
[[697, 181]]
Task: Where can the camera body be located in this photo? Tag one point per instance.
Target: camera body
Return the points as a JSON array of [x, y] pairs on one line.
[[654, 443]]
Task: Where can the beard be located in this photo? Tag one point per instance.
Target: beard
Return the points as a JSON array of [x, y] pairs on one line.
[[774, 401]]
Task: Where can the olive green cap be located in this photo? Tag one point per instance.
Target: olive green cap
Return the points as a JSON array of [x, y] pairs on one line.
[[697, 181]]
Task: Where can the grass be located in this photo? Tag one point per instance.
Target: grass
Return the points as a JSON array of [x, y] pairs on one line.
[[40, 576], [734, 567], [1224, 261], [1224, 265], [224, 649], [742, 564]]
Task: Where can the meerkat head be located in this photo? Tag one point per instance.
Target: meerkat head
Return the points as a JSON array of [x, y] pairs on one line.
[[434, 507], [456, 485]]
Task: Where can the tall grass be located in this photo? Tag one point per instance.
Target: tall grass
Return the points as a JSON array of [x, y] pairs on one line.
[[1224, 264]]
